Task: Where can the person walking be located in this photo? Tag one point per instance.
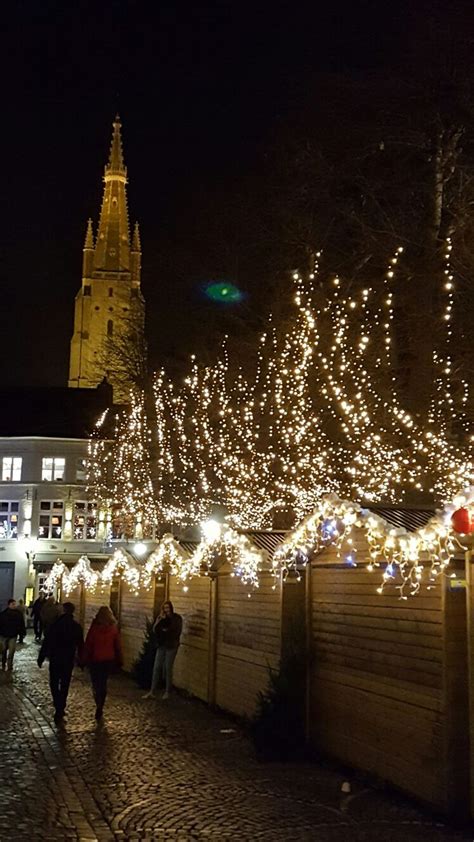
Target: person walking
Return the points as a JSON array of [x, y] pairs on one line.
[[21, 607], [168, 627], [36, 614], [50, 611], [11, 626], [102, 653], [62, 643]]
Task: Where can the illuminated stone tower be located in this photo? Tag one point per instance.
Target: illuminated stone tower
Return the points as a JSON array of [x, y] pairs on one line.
[[109, 308]]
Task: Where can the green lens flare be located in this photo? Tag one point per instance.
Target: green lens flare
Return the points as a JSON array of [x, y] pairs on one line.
[[223, 292]]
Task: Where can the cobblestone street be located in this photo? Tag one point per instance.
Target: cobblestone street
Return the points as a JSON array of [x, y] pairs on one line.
[[169, 770]]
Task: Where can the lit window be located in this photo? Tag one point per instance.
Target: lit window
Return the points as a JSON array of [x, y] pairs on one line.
[[11, 468], [53, 468], [81, 470], [51, 519], [8, 519], [85, 520]]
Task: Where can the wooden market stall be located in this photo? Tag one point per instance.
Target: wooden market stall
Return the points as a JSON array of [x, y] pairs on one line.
[[386, 684]]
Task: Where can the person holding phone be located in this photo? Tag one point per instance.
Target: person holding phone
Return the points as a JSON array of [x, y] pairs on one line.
[[168, 627]]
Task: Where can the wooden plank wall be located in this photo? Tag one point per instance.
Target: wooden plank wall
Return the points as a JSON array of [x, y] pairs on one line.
[[192, 661], [470, 645], [248, 641], [93, 601], [135, 608], [376, 694], [456, 690]]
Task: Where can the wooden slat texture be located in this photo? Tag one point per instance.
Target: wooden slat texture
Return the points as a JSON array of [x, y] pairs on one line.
[[135, 608], [192, 661], [248, 642], [456, 689], [377, 676], [93, 602], [470, 656]]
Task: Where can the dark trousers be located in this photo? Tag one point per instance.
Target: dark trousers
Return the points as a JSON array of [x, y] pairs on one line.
[[60, 673], [37, 627], [99, 676]]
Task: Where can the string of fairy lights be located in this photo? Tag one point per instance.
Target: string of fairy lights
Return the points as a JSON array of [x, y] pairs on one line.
[[357, 537], [219, 543], [318, 414]]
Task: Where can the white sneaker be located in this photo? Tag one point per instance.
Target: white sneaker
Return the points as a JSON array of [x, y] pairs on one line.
[[149, 695], [165, 696]]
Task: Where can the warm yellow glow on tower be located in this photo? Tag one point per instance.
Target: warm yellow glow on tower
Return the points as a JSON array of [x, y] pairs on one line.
[[109, 307]]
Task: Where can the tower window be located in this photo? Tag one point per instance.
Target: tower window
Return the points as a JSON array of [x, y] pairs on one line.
[[87, 289], [111, 292], [134, 292], [110, 328]]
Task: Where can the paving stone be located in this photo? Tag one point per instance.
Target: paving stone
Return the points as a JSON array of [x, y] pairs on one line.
[[153, 771]]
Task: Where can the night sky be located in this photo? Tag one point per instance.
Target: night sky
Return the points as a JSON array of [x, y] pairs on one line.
[[202, 92]]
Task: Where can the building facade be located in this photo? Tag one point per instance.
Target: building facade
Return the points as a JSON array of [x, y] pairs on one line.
[[109, 307], [45, 511]]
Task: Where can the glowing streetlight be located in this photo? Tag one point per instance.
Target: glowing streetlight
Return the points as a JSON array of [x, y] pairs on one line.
[[211, 530], [139, 549]]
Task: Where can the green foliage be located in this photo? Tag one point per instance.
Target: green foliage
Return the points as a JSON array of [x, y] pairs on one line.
[[143, 667], [278, 728]]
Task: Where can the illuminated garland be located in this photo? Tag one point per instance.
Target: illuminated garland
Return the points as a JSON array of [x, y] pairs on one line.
[[407, 555], [81, 574], [169, 556], [57, 576], [219, 543], [120, 566], [223, 543]]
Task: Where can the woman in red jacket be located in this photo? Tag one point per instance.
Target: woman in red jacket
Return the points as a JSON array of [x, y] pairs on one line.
[[102, 652]]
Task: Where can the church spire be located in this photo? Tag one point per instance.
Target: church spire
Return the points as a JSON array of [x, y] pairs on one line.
[[136, 244], [88, 255], [112, 251], [110, 293], [89, 243], [136, 256], [116, 164]]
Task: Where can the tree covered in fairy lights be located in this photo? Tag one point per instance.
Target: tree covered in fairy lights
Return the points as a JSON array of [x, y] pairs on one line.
[[319, 409], [119, 473]]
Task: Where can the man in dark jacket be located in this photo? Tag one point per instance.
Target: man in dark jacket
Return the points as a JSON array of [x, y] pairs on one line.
[[12, 624], [50, 611], [63, 640], [36, 614]]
